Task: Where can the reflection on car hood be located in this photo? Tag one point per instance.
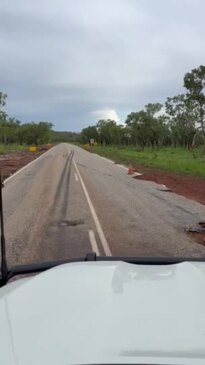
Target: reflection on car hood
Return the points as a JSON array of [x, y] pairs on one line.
[[105, 312]]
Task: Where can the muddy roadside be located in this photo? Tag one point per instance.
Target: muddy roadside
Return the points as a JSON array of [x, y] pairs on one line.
[[191, 187], [11, 162]]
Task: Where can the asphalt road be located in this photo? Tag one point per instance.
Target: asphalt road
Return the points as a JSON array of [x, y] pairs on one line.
[[70, 202]]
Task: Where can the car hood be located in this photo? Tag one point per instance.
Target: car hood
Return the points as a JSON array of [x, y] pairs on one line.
[[105, 313]]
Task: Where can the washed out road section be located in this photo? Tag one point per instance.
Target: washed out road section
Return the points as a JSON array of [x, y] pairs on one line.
[[47, 215]]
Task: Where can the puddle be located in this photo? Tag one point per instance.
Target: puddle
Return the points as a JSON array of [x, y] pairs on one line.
[[165, 190]]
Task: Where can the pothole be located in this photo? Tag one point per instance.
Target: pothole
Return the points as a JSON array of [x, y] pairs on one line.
[[71, 223], [166, 190], [197, 233]]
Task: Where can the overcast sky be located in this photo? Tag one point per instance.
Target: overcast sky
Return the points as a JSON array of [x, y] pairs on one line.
[[72, 62]]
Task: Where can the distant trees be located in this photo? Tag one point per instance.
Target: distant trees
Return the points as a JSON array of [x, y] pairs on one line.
[[146, 128], [179, 122], [35, 133], [64, 136], [88, 133], [109, 132], [141, 129], [12, 131], [105, 132]]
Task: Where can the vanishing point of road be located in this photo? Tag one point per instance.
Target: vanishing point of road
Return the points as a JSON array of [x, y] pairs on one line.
[[70, 202]]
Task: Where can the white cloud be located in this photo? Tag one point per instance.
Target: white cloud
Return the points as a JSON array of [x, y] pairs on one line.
[[105, 114]]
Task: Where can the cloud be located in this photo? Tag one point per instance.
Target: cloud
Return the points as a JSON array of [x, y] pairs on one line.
[[61, 59], [105, 114]]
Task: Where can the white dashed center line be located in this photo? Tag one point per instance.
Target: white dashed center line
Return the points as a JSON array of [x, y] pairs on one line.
[[76, 177], [93, 242], [99, 229]]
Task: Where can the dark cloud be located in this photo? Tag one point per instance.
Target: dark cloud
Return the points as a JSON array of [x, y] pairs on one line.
[[67, 61]]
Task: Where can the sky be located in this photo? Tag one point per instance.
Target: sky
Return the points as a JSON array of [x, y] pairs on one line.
[[73, 62]]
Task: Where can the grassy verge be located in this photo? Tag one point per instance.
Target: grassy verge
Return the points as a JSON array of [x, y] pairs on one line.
[[10, 148], [171, 159]]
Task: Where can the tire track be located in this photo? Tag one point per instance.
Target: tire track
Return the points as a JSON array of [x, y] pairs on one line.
[[56, 239], [63, 185]]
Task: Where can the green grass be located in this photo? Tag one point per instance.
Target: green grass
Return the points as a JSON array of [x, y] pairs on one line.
[[171, 159], [4, 149]]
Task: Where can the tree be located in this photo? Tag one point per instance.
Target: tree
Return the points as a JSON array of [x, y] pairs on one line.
[[135, 121], [2, 100], [194, 82], [109, 132], [182, 118], [146, 128], [35, 133], [153, 109], [3, 97], [44, 132], [89, 133]]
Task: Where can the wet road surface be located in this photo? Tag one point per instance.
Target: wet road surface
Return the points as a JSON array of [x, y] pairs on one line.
[[70, 202]]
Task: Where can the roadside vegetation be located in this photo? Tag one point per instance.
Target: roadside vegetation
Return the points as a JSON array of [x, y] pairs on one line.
[[172, 159], [169, 136], [10, 148]]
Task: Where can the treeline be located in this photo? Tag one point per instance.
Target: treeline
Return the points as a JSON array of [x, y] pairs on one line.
[[37, 133], [64, 136], [179, 122], [12, 131]]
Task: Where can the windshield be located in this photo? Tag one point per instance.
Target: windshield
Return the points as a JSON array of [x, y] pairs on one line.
[[102, 129], [102, 150]]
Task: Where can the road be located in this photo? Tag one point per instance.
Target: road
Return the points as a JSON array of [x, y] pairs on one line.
[[70, 202]]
